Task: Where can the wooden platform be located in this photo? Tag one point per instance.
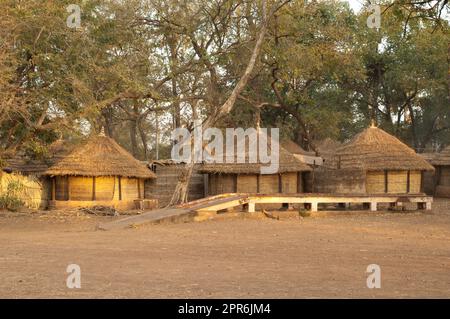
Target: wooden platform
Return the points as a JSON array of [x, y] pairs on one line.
[[216, 203]]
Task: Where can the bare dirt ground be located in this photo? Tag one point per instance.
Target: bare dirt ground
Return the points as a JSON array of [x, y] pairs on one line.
[[295, 258]]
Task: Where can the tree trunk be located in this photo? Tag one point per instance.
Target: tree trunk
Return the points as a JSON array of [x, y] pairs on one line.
[[173, 65], [133, 140], [143, 138], [180, 192]]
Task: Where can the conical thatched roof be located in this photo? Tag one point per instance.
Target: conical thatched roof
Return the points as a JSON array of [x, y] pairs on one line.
[[441, 158], [100, 156], [286, 162], [374, 149]]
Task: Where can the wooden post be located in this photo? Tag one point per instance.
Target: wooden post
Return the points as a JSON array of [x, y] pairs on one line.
[[314, 206], [235, 182], [67, 187], [421, 182], [386, 182], [280, 183], [251, 207], [53, 188], [408, 181], [205, 185], [313, 179], [93, 188], [139, 188], [258, 182], [120, 187], [373, 206]]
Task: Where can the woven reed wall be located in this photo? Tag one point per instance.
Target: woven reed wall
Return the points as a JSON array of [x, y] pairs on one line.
[[415, 180], [221, 183], [429, 182], [162, 188], [289, 183], [247, 183], [341, 181], [443, 188], [268, 184], [444, 179], [375, 182], [35, 193], [225, 183], [397, 182], [302, 177], [61, 190], [80, 188], [129, 188], [104, 187]]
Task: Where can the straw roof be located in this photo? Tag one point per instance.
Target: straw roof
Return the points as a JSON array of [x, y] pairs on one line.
[[100, 156], [286, 161], [374, 149], [441, 158], [294, 148]]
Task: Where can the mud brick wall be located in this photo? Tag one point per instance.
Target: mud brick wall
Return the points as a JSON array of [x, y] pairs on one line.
[[163, 186], [338, 181]]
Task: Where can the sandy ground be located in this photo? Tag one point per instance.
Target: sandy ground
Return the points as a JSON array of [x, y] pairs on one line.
[[290, 258]]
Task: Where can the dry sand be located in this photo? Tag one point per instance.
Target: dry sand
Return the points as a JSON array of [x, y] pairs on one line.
[[289, 258]]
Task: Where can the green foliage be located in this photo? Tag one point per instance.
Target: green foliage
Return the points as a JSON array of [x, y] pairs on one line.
[[143, 66]]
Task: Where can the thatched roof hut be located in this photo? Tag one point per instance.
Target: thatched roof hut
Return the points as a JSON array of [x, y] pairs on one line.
[[294, 148], [100, 156], [326, 149], [439, 184], [390, 166], [374, 149], [308, 157], [286, 162], [98, 172], [442, 158], [247, 178]]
